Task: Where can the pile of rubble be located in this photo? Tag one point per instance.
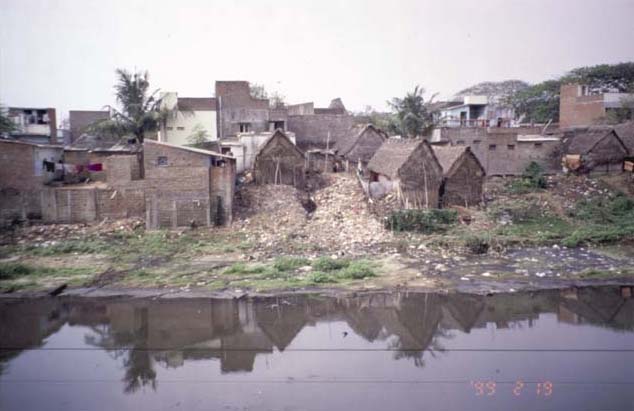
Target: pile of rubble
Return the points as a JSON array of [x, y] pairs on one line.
[[42, 233], [334, 219]]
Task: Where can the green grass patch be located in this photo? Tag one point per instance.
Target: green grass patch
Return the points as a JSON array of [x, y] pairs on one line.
[[422, 221], [290, 263], [329, 264]]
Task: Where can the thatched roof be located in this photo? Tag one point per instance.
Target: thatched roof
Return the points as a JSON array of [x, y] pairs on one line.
[[278, 134], [347, 142], [584, 140], [449, 156], [391, 156], [625, 131]]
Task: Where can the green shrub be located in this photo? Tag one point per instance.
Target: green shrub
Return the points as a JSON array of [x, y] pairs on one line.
[[532, 179], [289, 263], [357, 270], [242, 268], [319, 277], [9, 271], [329, 264], [422, 221]]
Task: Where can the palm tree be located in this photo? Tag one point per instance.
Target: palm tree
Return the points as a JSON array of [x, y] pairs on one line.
[[139, 111], [412, 117]]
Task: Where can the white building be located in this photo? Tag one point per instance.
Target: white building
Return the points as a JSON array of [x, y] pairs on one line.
[[245, 146], [189, 115], [475, 111]]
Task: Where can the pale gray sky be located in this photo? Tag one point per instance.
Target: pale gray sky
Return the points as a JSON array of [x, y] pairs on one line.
[[63, 53]]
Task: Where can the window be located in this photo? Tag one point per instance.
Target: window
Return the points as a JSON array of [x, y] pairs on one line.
[[169, 128], [162, 161], [491, 147], [460, 143], [245, 127], [511, 146], [538, 145], [180, 128], [476, 142]]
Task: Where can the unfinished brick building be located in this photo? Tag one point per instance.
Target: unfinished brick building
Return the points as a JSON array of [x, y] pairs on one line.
[[581, 106], [463, 176], [25, 168], [185, 186], [408, 168], [239, 112], [279, 161]]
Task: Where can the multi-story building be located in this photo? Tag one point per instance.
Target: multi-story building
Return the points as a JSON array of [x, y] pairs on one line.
[[474, 111], [579, 105], [34, 125], [188, 115]]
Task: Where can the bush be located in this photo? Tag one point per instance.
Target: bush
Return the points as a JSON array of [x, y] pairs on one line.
[[422, 221], [319, 277], [532, 179], [477, 244], [289, 263], [9, 271], [329, 264], [357, 270]]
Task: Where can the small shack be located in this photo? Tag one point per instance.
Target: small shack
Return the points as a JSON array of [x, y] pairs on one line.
[[593, 150], [279, 161], [409, 168], [357, 147], [463, 176]]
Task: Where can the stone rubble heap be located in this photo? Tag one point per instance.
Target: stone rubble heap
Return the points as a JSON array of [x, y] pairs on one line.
[[273, 216]]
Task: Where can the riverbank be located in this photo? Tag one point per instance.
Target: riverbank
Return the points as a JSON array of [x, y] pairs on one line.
[[575, 231]]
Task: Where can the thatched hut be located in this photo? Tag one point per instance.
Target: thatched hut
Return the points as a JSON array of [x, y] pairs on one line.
[[593, 150], [410, 169], [357, 147], [625, 131], [279, 161], [463, 176]]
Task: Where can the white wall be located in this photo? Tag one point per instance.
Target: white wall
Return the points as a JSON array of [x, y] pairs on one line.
[[180, 127]]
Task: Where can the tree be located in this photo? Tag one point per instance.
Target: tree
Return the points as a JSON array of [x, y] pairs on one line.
[[277, 100], [139, 111], [623, 113], [604, 77], [6, 124], [258, 91], [538, 103], [498, 92], [376, 118], [198, 136], [412, 117]]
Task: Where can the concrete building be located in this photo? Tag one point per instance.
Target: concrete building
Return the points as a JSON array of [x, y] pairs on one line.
[[34, 125], [319, 128], [245, 146], [239, 112], [506, 150], [581, 106], [80, 120], [474, 111], [188, 115]]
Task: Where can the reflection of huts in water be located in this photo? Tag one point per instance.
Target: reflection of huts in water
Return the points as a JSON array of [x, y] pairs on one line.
[[358, 146], [593, 150], [279, 161], [410, 169], [463, 176]]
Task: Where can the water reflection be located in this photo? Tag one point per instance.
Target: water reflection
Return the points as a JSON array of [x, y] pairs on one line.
[[141, 333]]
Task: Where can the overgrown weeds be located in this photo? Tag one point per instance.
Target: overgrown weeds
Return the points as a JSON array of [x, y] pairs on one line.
[[422, 221]]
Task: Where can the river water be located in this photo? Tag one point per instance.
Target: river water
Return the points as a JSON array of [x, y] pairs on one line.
[[549, 350]]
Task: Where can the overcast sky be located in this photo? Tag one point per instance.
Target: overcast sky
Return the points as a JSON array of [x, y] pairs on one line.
[[63, 53]]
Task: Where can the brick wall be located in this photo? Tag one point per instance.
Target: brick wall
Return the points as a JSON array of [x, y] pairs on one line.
[[575, 110], [311, 131], [235, 106], [81, 119]]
